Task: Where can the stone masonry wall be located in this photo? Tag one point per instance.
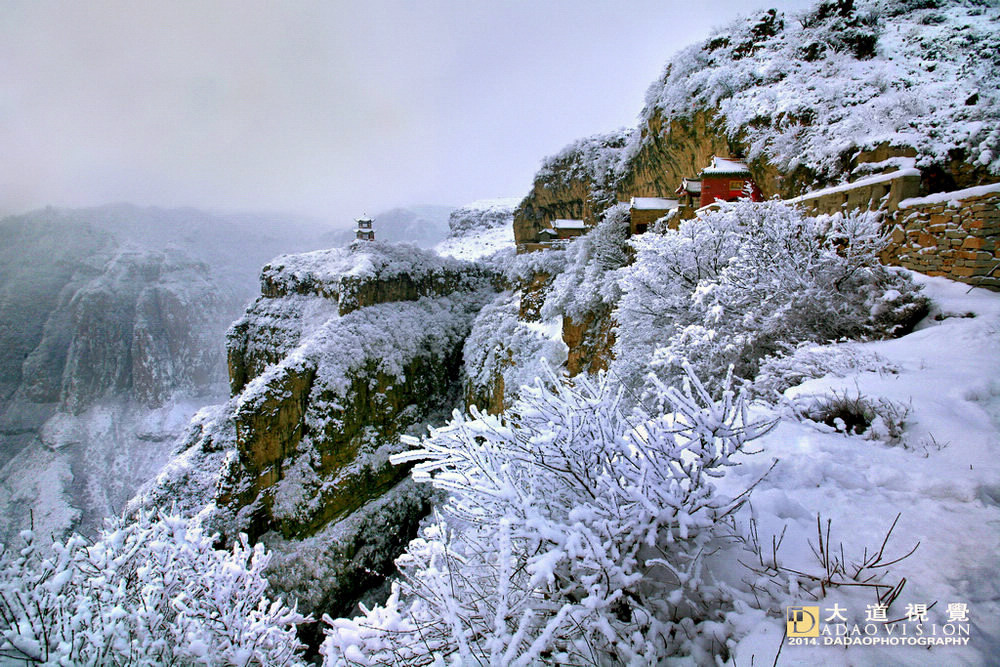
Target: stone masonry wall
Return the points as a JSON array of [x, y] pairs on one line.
[[884, 191], [953, 234], [956, 235]]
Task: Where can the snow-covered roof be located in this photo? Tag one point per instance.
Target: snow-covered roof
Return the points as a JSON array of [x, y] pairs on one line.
[[654, 203], [691, 184], [721, 166], [563, 223]]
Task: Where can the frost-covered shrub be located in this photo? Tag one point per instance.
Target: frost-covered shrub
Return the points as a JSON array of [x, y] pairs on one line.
[[752, 280], [574, 534], [808, 361], [524, 267], [501, 344], [587, 284], [856, 414], [150, 592]]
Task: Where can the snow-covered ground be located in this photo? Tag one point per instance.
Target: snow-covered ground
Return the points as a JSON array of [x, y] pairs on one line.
[[85, 467], [477, 244], [942, 476]]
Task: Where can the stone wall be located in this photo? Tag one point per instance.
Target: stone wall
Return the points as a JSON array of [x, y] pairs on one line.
[[882, 191], [641, 219], [955, 234], [952, 234]]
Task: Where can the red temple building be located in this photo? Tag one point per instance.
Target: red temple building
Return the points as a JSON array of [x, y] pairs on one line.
[[728, 179]]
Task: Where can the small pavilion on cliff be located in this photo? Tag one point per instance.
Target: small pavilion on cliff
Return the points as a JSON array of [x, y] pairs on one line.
[[364, 231]]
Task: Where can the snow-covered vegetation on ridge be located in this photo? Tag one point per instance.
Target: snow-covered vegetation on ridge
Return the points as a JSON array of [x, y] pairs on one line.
[[574, 533], [325, 269], [847, 76], [749, 280], [814, 88]]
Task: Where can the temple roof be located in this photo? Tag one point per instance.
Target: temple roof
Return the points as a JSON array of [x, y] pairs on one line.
[[562, 223], [726, 166]]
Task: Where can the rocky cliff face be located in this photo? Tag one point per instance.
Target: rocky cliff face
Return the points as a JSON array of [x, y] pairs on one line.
[[577, 183], [809, 99], [115, 349], [345, 351], [836, 93]]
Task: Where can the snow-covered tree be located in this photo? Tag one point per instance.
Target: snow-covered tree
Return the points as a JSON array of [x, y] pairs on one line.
[[586, 285], [575, 533], [750, 280], [152, 591]]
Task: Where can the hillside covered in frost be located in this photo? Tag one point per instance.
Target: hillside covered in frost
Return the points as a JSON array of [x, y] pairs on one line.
[[345, 351], [810, 98], [623, 448], [813, 88]]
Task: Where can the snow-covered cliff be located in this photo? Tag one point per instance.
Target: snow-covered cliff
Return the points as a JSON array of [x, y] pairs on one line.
[[811, 98], [346, 350]]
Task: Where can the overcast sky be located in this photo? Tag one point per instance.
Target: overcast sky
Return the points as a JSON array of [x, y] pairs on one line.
[[328, 108]]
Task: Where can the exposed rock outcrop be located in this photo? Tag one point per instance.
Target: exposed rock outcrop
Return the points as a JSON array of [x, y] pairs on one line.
[[345, 351]]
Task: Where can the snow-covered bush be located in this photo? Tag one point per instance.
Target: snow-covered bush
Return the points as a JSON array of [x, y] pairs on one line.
[[586, 285], [150, 592], [575, 533], [856, 414], [752, 280], [808, 361], [523, 267], [502, 346]]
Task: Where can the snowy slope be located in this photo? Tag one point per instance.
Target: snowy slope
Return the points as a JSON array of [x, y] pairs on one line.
[[480, 229], [477, 244], [804, 89], [942, 476]]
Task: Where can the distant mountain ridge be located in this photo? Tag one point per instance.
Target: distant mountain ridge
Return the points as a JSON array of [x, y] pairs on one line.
[[112, 323]]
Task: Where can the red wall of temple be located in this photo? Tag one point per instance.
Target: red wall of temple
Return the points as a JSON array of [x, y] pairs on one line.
[[727, 188]]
